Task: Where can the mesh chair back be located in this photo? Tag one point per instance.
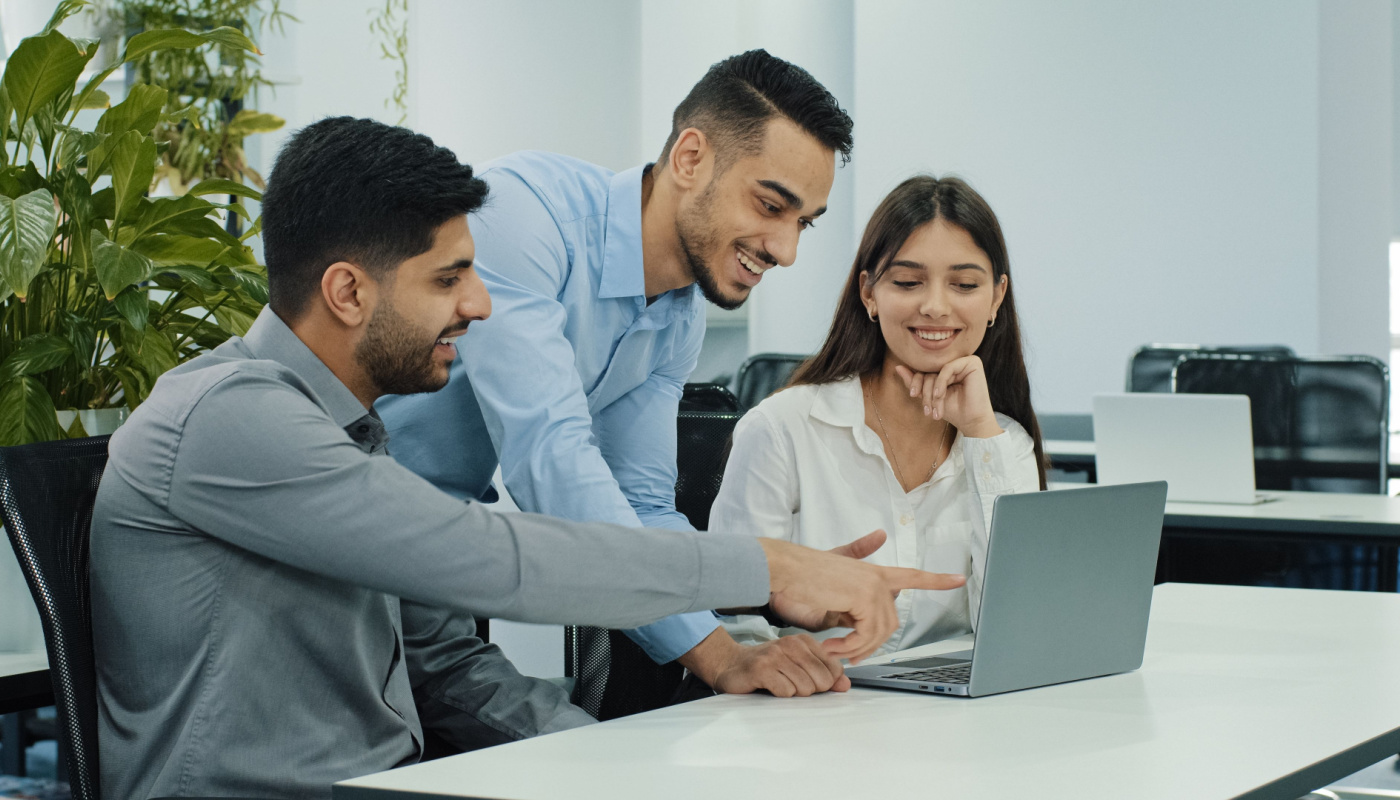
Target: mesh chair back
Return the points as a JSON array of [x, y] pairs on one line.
[[708, 397], [1320, 424], [46, 497], [763, 375], [614, 677], [1150, 368]]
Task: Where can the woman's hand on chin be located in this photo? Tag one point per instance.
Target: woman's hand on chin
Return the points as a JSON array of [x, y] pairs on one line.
[[957, 393]]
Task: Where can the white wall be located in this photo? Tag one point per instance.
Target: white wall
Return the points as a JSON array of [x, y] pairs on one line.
[[1154, 165], [1355, 153], [492, 78]]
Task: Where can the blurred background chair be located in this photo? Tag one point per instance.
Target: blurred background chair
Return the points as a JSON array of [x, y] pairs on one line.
[[613, 676], [764, 374], [708, 397], [1150, 368], [46, 497], [1320, 424]]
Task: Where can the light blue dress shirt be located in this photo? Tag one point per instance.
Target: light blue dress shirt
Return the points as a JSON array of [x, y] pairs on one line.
[[575, 379]]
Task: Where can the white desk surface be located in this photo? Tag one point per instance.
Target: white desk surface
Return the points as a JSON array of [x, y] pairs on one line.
[[21, 663], [1082, 447], [1303, 511], [1240, 688]]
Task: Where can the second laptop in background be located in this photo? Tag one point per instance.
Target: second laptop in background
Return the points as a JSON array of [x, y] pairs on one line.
[[1202, 445]]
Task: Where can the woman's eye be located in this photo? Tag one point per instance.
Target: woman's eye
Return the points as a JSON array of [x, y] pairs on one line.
[[967, 287], [906, 284]]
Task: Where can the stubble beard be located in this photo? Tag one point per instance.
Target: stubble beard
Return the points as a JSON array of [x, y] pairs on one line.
[[394, 357]]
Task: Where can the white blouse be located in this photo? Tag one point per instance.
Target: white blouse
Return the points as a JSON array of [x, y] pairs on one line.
[[805, 468]]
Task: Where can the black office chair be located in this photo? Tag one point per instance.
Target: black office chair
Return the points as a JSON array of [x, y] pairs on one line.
[[1150, 368], [708, 397], [47, 492], [764, 374], [1320, 424], [46, 497], [613, 676]]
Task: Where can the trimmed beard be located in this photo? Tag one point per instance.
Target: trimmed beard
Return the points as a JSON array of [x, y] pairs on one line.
[[695, 232], [394, 358]]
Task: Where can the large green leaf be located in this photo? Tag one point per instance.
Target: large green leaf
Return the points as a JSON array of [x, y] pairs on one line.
[[138, 112], [26, 413], [149, 349], [133, 162], [221, 186], [173, 250], [133, 306], [160, 213], [37, 352], [117, 267], [39, 70], [27, 226], [143, 44]]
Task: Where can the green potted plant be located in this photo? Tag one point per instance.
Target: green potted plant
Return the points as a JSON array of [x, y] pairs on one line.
[[103, 289]]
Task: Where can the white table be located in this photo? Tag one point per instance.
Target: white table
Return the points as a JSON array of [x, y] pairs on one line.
[[1244, 693]]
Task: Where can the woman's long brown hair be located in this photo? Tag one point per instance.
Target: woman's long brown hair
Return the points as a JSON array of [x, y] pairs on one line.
[[855, 346]]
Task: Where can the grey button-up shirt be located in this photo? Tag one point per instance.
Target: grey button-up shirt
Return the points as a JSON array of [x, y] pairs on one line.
[[277, 607]]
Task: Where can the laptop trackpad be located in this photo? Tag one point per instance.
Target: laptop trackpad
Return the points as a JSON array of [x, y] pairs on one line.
[[945, 660]]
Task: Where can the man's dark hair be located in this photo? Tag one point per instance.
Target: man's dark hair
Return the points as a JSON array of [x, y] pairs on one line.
[[356, 190], [737, 97]]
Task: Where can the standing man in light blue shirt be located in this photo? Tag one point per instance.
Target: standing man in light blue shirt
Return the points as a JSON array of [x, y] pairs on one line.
[[598, 281]]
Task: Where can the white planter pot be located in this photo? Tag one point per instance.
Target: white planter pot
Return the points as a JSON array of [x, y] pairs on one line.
[[96, 421]]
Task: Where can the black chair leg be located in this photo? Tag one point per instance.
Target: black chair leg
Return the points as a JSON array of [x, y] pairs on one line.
[[12, 733]]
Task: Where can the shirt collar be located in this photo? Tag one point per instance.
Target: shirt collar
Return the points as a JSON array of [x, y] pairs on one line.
[[842, 404], [623, 274], [269, 338]]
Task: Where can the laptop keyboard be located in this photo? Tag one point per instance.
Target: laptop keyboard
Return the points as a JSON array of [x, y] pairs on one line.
[[958, 673]]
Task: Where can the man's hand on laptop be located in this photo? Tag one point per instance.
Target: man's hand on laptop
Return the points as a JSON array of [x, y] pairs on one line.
[[860, 594]]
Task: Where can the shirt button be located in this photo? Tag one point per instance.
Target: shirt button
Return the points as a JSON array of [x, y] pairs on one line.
[[986, 458], [986, 476], [905, 519]]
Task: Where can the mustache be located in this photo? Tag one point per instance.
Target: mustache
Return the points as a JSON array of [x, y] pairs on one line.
[[454, 331], [762, 255]]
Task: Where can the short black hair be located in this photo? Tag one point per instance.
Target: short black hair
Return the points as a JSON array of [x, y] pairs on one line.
[[737, 97], [346, 189]]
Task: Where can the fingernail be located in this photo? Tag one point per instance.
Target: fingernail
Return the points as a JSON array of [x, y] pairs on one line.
[[928, 410], [935, 413]]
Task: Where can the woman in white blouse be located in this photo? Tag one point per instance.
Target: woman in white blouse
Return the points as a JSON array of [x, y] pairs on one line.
[[913, 417]]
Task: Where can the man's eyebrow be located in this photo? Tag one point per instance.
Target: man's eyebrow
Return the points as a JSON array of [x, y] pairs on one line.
[[461, 263], [787, 194]]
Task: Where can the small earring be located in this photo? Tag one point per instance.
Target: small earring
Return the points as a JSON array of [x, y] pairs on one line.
[[991, 322], [871, 314]]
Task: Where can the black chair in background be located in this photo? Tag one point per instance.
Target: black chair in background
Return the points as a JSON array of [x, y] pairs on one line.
[[46, 496], [613, 676], [1320, 424], [708, 397], [1150, 368], [764, 374]]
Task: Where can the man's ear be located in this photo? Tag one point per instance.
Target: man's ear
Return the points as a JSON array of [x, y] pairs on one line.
[[691, 161], [349, 293]]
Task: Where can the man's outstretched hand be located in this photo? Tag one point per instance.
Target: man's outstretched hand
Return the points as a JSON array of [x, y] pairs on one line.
[[848, 591]]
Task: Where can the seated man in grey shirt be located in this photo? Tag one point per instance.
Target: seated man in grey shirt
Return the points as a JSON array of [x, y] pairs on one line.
[[277, 606]]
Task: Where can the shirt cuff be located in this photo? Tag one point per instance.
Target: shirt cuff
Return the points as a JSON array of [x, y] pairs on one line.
[[989, 462], [670, 638], [733, 571]]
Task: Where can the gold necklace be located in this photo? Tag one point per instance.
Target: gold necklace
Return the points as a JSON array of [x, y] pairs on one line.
[[894, 458]]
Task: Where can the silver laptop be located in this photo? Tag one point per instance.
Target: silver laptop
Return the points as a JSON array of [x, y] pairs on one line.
[[1065, 595], [1202, 445]]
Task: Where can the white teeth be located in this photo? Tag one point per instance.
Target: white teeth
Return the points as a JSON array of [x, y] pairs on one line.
[[934, 336], [750, 265], [448, 340]]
